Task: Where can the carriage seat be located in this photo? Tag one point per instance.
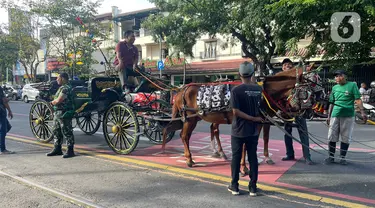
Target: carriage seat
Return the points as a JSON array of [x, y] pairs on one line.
[[80, 96]]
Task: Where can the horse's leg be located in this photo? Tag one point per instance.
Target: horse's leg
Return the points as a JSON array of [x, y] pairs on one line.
[[266, 138], [219, 147], [186, 133], [244, 170], [212, 129]]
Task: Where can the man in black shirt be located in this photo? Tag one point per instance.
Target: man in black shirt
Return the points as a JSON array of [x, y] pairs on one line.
[[4, 123], [245, 102]]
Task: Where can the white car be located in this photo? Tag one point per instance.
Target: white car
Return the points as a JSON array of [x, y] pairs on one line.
[[29, 93]]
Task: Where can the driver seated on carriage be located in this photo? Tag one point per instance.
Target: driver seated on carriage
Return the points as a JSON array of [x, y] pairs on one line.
[[126, 61]]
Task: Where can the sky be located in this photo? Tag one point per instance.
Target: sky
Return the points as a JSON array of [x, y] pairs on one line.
[[123, 5]]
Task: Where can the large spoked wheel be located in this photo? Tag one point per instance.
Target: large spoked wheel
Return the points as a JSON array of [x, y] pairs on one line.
[[41, 121], [121, 128], [154, 129], [89, 123]]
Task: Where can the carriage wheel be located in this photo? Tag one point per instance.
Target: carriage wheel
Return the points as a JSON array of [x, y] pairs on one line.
[[41, 121], [121, 128], [89, 123], [154, 129]]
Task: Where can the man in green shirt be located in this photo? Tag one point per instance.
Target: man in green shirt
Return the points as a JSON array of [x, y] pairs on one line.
[[62, 118], [341, 111]]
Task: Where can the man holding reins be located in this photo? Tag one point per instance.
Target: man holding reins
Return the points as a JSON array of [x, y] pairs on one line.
[[341, 115], [287, 64], [126, 60]]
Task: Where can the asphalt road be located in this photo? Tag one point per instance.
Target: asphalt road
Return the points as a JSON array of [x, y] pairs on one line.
[[55, 182]]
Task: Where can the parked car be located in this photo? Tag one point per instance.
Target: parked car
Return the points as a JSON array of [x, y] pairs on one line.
[[29, 93], [12, 92]]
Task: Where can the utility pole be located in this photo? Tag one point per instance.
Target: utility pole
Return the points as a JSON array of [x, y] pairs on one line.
[[161, 52], [6, 82]]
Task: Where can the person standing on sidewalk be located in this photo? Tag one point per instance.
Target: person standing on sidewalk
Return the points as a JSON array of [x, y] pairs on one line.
[[302, 130], [4, 123], [245, 103], [62, 118], [341, 115]]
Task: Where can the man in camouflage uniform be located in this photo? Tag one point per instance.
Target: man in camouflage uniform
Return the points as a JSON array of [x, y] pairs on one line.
[[62, 120]]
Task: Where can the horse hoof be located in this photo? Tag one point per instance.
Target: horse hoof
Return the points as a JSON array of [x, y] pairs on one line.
[[270, 162], [243, 174], [190, 163], [222, 155], [215, 155]]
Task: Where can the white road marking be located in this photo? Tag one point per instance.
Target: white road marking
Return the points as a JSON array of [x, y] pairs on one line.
[[76, 200]]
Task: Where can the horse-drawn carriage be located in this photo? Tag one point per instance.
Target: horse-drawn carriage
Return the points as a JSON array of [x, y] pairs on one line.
[[124, 117]]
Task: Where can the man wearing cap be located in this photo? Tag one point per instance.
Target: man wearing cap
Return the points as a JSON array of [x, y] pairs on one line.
[[341, 115], [287, 64], [245, 103]]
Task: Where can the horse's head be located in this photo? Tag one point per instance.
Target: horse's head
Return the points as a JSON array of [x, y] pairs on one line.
[[291, 90]]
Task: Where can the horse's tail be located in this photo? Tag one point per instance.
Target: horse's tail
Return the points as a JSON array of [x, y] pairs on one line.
[[176, 107]]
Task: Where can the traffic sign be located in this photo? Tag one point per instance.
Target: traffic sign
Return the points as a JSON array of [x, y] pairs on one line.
[[160, 65]]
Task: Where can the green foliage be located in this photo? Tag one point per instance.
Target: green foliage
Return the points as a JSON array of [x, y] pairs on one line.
[[8, 51], [250, 22], [67, 36], [23, 40], [312, 18], [264, 28]]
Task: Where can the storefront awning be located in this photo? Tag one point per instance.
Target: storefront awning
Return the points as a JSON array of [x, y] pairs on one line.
[[221, 66]]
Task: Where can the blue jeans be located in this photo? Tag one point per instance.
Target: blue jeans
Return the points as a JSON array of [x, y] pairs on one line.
[[303, 136], [3, 132]]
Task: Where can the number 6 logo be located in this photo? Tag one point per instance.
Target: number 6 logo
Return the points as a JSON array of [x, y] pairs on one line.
[[345, 27]]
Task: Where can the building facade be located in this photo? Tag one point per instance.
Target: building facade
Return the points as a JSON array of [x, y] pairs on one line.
[[211, 60]]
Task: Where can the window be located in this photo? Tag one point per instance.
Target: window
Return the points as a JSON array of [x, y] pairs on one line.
[[210, 49]]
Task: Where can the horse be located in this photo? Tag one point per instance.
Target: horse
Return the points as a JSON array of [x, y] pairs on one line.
[[277, 87]]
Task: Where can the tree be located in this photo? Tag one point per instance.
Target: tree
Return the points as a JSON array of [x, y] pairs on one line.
[[264, 28], [313, 17], [8, 52], [68, 37], [23, 33], [248, 21]]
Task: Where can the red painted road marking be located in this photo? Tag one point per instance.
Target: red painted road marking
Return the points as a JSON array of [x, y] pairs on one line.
[[201, 151]]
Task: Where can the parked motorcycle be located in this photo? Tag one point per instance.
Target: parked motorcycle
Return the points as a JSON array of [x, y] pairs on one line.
[[368, 105], [320, 108], [318, 111]]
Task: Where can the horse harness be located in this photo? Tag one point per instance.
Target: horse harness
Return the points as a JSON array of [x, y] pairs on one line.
[[211, 98]]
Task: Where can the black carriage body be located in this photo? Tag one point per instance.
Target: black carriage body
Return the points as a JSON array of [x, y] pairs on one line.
[[101, 92], [94, 95]]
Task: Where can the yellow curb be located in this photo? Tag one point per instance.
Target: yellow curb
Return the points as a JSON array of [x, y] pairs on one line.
[[371, 122], [205, 175]]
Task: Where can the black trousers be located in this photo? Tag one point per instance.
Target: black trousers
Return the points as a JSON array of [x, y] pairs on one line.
[[251, 147]]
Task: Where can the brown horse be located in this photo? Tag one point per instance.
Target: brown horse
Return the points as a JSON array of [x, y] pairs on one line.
[[277, 87]]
